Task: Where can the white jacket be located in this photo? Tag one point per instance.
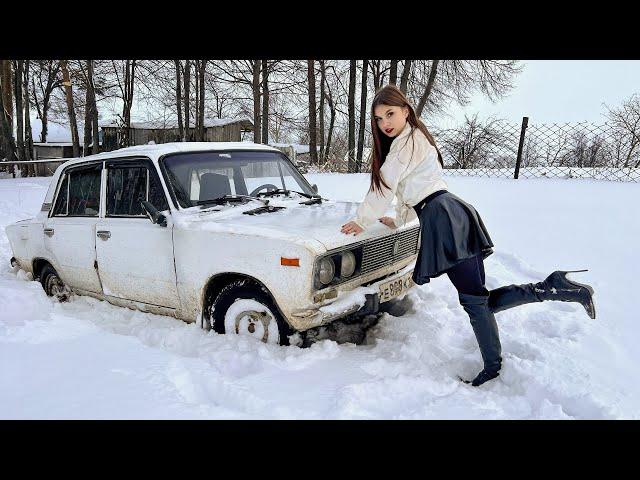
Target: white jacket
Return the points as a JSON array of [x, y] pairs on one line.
[[412, 171]]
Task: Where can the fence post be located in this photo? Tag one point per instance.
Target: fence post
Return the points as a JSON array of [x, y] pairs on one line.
[[525, 122]]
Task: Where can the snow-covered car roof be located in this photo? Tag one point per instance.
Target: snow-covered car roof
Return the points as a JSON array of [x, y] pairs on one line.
[[157, 150]]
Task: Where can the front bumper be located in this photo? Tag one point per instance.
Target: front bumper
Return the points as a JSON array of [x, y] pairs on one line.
[[360, 301]]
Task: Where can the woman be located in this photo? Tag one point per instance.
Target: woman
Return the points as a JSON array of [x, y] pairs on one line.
[[406, 163]]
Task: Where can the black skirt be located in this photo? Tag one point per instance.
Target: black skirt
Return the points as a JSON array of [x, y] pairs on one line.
[[451, 231]]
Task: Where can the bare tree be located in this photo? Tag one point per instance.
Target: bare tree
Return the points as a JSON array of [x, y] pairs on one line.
[[393, 72], [312, 112], [66, 82], [44, 81], [425, 96], [321, 107], [179, 97], [626, 122], [6, 111], [406, 71], [125, 73], [28, 133], [201, 67], [363, 113], [187, 84], [257, 120], [474, 144], [352, 116], [18, 66], [265, 102]]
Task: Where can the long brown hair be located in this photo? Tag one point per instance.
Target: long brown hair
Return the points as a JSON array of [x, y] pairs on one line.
[[392, 96]]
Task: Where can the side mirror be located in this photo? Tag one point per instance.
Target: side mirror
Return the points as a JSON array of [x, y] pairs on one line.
[[314, 187], [154, 215]]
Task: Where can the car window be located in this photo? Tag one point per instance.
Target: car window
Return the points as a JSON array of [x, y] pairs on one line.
[[195, 177], [157, 196], [203, 179], [60, 207], [127, 186], [84, 191]]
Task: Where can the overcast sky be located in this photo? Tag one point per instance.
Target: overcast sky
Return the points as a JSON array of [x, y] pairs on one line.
[[558, 91]]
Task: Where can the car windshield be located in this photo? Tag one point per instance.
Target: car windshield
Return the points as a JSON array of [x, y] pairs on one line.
[[197, 177]]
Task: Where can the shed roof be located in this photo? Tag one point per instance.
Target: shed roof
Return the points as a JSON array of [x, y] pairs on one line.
[[173, 123]]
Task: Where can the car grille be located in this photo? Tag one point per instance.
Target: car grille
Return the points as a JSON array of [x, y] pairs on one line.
[[388, 250]]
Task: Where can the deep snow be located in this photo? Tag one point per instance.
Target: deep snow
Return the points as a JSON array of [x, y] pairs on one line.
[[89, 359]]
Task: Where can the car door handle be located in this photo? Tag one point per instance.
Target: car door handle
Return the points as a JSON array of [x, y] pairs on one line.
[[104, 234], [49, 232]]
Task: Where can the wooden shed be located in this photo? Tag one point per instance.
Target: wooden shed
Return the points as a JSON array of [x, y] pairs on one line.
[[141, 133]]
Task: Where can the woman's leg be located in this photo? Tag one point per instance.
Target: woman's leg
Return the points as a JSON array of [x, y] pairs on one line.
[[555, 287], [468, 278]]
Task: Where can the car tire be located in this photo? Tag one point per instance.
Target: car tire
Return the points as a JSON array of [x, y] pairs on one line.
[[53, 285], [264, 323]]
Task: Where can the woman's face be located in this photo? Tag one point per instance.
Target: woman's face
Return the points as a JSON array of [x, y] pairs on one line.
[[390, 120]]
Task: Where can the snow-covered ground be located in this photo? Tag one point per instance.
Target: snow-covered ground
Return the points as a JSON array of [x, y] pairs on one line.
[[89, 359]]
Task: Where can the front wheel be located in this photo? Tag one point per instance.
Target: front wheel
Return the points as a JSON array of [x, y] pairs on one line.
[[53, 285], [243, 308]]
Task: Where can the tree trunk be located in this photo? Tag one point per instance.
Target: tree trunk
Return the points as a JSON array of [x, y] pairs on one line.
[[257, 126], [363, 113], [94, 110], [7, 92], [179, 99], [6, 129], [53, 69], [427, 91], [17, 92], [352, 117], [88, 123], [404, 80], [332, 118], [28, 134], [187, 85], [68, 89], [203, 67], [196, 135], [321, 109], [130, 84], [393, 72], [265, 103], [311, 79]]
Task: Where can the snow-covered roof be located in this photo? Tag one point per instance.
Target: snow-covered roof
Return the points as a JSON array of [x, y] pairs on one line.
[[173, 123], [297, 147]]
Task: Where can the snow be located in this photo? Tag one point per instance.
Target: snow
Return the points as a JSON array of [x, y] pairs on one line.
[[89, 359]]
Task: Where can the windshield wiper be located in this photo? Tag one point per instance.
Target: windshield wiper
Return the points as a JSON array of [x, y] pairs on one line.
[[230, 199], [279, 191]]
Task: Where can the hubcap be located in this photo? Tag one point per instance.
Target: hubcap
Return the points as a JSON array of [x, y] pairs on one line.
[[57, 288], [260, 325]]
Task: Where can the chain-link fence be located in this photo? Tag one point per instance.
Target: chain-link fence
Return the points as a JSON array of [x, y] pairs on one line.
[[607, 151]]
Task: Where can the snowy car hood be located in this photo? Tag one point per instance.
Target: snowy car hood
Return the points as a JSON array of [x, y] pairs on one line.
[[316, 226]]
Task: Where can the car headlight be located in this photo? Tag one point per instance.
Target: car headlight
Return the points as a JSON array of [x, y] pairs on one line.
[[326, 271], [347, 264]]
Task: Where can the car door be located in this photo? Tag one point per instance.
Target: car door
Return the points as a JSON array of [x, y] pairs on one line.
[[135, 256], [70, 229]]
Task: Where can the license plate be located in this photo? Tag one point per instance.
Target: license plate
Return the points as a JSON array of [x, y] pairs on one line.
[[394, 288]]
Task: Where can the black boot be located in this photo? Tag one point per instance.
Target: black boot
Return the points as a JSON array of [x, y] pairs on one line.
[[486, 330], [555, 287]]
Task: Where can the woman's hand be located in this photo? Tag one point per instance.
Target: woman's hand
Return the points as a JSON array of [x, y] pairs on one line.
[[351, 227], [388, 221]]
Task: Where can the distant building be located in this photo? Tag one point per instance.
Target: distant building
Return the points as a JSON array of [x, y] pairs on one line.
[[141, 133]]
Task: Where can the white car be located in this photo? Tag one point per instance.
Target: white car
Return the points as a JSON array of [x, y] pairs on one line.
[[230, 235]]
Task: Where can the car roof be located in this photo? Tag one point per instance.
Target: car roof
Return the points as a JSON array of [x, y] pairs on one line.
[[154, 152]]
